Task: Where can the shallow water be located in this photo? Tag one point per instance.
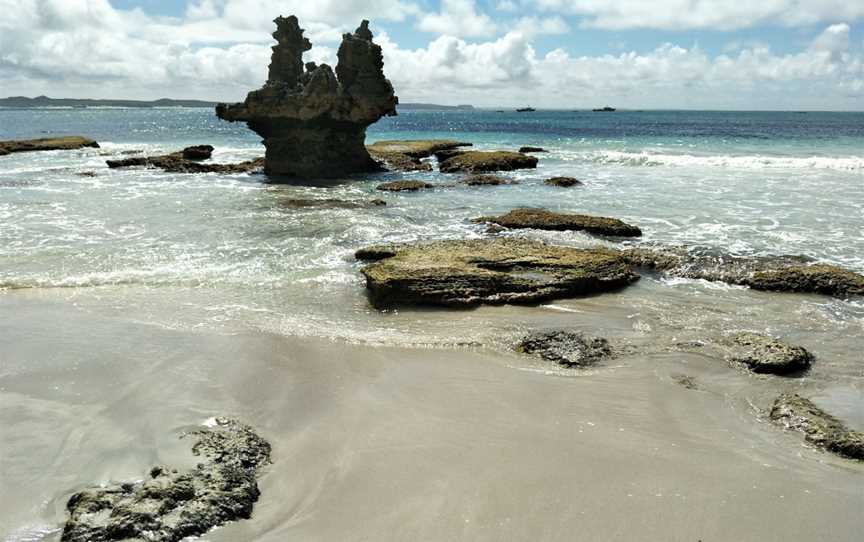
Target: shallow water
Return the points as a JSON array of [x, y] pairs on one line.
[[136, 303]]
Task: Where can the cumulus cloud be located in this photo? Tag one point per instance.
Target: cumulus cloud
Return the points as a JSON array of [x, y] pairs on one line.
[[716, 14], [87, 48], [458, 18]]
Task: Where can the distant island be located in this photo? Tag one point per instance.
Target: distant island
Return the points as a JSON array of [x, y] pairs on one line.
[[24, 102]]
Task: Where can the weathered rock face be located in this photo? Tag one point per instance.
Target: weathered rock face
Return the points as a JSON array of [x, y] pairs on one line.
[[313, 120], [566, 348], [169, 506], [46, 144], [780, 273], [542, 219], [820, 428], [491, 271], [767, 355]]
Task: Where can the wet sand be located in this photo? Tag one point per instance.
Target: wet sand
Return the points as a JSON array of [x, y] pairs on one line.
[[385, 443]]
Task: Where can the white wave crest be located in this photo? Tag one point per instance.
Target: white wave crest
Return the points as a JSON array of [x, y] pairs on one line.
[[647, 158]]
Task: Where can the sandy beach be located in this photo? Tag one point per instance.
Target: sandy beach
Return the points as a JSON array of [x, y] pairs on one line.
[[373, 443]]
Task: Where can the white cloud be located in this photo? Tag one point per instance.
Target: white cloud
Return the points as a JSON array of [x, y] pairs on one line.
[[713, 14], [86, 48], [458, 18]]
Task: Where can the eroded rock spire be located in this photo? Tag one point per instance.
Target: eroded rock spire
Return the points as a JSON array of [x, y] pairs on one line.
[[313, 120]]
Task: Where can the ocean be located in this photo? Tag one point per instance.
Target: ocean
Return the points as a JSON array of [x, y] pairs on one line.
[[134, 302]]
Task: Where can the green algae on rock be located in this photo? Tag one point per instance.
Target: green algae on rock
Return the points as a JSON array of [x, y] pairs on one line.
[[820, 428], [777, 273], [169, 506], [63, 143], [484, 161], [464, 273], [566, 348], [541, 219], [766, 355], [403, 186], [486, 180]]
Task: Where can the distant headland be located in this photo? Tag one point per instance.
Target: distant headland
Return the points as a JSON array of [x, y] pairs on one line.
[[23, 102]]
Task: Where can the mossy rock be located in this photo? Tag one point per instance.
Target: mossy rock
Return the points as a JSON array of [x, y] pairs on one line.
[[819, 428], [407, 155], [47, 144], [541, 219], [465, 273], [403, 186], [566, 348], [766, 355], [485, 161], [486, 180]]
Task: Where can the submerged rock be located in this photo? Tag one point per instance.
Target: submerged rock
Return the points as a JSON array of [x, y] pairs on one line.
[[566, 348], [820, 428], [486, 180], [541, 219], [407, 155], [532, 149], [563, 182], [767, 355], [313, 120], [169, 506], [177, 162], [46, 144], [779, 273], [488, 271], [687, 381], [330, 203], [403, 186], [484, 161]]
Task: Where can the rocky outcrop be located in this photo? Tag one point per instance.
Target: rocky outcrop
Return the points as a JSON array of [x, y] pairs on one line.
[[467, 273], [330, 203], [532, 149], [767, 355], [820, 428], [313, 121], [403, 186], [563, 182], [486, 180], [541, 219], [64, 143], [779, 273], [485, 161], [408, 155], [168, 505], [566, 348], [188, 161]]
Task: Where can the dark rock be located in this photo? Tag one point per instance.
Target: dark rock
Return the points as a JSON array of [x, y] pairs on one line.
[[820, 428], [541, 219], [198, 152], [446, 154], [403, 186], [484, 161], [778, 273], [170, 506], [532, 149], [176, 162], [566, 348], [407, 155], [563, 182], [330, 203], [467, 273], [46, 144], [313, 120], [86, 174], [766, 355], [486, 180]]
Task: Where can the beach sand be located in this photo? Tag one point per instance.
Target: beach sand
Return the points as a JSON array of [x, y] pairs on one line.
[[386, 443]]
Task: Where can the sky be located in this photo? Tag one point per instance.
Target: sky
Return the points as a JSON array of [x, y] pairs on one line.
[[571, 54]]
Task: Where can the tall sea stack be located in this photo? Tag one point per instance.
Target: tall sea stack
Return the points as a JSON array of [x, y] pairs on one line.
[[314, 121]]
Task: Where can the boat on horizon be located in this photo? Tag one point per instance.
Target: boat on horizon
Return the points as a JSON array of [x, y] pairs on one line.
[[525, 110], [606, 109]]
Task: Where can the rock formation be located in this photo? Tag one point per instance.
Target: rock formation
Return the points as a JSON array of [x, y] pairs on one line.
[[820, 428], [563, 182], [485, 161], [63, 143], [767, 355], [566, 348], [408, 155], [313, 120], [189, 160], [541, 219]]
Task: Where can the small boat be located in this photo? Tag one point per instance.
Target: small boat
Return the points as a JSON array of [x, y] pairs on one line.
[[606, 109], [526, 110]]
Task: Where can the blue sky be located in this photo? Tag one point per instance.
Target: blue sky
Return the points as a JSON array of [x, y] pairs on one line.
[[797, 54]]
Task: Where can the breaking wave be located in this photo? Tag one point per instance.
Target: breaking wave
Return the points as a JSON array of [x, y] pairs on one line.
[[646, 158]]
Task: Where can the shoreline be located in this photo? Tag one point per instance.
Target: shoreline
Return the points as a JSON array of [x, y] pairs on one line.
[[449, 443]]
